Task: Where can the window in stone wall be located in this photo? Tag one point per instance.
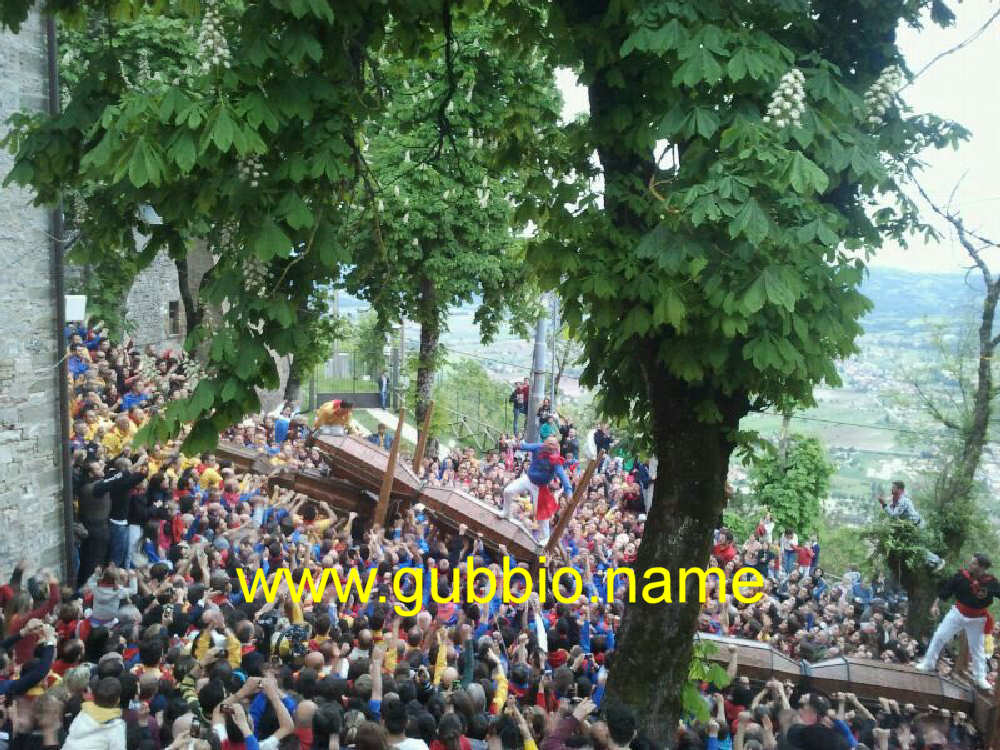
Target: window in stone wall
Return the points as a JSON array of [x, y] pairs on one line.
[[174, 318]]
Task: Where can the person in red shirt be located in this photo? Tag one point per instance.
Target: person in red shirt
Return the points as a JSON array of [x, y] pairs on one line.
[[725, 551], [23, 612], [804, 558], [8, 590]]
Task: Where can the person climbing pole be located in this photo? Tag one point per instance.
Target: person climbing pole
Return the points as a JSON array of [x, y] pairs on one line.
[[546, 465]]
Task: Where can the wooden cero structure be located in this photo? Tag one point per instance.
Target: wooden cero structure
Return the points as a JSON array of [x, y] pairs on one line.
[[867, 678], [357, 471]]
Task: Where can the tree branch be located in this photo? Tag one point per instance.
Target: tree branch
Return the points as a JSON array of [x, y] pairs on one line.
[[444, 127], [965, 235], [952, 50], [933, 409]]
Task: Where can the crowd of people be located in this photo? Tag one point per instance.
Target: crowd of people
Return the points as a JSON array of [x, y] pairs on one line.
[[153, 644]]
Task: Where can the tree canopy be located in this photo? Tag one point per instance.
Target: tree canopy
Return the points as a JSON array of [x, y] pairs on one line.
[[749, 158]]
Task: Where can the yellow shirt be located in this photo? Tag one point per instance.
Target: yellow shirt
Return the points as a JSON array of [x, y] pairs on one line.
[[115, 441], [210, 479]]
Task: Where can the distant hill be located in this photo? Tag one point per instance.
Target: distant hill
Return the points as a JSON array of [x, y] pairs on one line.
[[904, 300]]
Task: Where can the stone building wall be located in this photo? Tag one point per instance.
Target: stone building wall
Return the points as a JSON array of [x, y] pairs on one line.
[[31, 509], [155, 310], [154, 307]]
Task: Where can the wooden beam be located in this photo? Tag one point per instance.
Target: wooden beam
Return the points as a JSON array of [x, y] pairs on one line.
[[993, 729], [579, 493], [418, 454], [390, 473]]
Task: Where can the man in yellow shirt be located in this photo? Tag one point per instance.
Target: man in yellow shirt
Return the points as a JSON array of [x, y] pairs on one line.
[[118, 437], [210, 479]]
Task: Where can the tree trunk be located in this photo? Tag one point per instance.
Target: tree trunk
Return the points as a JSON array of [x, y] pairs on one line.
[[961, 482], [192, 310], [650, 665], [430, 335], [921, 588], [293, 387]]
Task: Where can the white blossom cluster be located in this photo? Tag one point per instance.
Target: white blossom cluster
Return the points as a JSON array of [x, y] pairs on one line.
[[147, 367], [255, 276], [194, 371], [145, 73], [879, 96], [788, 101], [213, 49], [251, 170], [79, 209]]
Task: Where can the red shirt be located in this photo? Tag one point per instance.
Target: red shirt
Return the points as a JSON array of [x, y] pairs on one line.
[[724, 553], [24, 649], [805, 555]]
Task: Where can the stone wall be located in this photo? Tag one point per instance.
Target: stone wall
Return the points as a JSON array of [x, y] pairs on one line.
[[31, 510], [148, 308], [148, 305]]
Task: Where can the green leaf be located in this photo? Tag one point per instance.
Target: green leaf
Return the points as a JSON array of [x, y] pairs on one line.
[[804, 175], [701, 67], [183, 151], [670, 308], [746, 61], [223, 130], [270, 242], [232, 389], [138, 173], [751, 221], [705, 122], [322, 9], [777, 291], [753, 299], [295, 211]]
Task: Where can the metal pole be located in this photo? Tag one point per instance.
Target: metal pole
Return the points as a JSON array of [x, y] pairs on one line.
[[312, 389], [59, 291], [554, 311], [402, 360], [537, 381], [394, 367]]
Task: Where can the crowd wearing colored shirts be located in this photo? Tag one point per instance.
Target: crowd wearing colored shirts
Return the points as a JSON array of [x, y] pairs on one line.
[[152, 644]]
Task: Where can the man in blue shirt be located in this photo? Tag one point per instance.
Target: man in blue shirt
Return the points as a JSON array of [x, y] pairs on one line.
[[546, 463]]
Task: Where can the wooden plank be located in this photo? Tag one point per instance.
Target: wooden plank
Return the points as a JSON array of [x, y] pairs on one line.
[[452, 507], [989, 707], [418, 454], [866, 678], [579, 492], [390, 471], [354, 459]]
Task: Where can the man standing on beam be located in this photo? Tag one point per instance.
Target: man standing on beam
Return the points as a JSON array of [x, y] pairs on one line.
[[974, 590], [546, 464]]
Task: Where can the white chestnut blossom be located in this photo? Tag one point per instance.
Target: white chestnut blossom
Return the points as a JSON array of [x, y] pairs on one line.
[[788, 101], [213, 49], [880, 95], [255, 276], [251, 170]]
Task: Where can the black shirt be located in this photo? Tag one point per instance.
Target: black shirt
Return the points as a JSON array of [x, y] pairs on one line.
[[961, 588], [120, 491]]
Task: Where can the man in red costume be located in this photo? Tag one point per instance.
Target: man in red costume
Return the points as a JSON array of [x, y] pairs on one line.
[[546, 464], [974, 589]]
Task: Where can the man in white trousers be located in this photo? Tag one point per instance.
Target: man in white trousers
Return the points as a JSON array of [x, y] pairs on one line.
[[974, 590], [546, 465]]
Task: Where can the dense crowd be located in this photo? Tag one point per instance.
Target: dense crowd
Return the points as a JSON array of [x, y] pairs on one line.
[[153, 644]]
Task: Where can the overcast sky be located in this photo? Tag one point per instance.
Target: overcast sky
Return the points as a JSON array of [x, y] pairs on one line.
[[965, 87]]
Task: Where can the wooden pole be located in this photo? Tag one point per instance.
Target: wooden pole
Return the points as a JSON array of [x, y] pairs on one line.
[[993, 723], [418, 454], [962, 660], [390, 473], [579, 493]]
